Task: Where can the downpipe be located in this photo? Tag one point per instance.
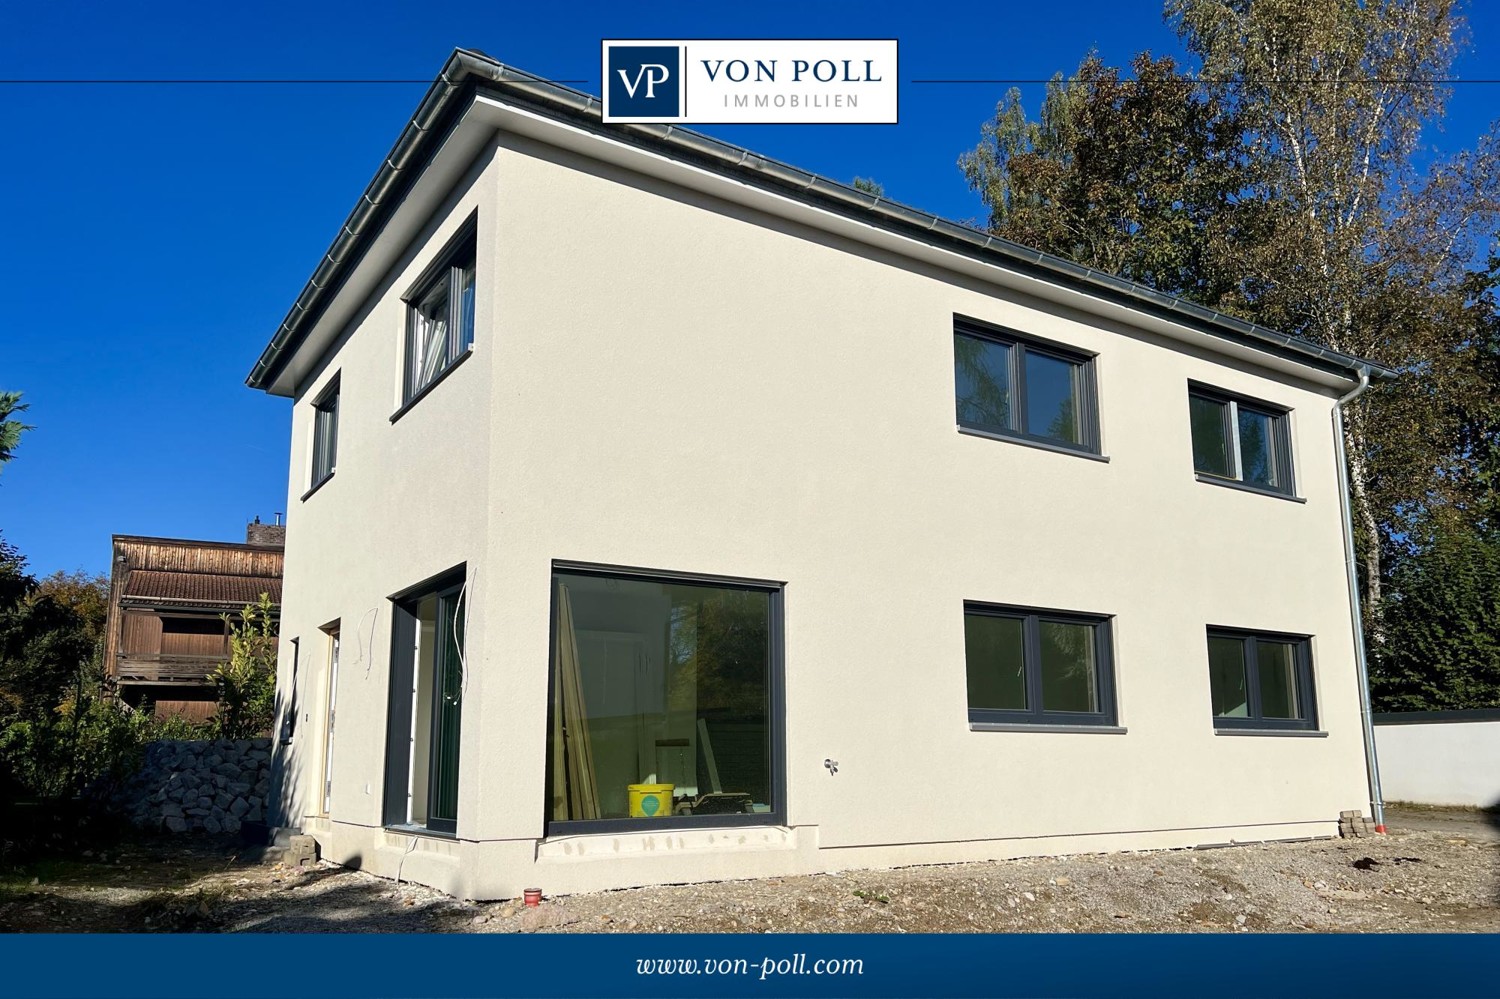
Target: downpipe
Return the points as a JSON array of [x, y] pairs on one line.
[[1361, 662]]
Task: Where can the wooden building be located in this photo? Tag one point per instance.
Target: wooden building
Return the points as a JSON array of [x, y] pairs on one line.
[[167, 597]]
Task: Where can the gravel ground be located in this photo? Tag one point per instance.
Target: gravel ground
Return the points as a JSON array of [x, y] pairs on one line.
[[1439, 870]]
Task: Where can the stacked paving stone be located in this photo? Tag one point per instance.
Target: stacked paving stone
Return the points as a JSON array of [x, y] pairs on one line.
[[1354, 825], [199, 786]]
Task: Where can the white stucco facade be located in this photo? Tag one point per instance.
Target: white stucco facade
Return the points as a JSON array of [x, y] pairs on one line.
[[669, 378]]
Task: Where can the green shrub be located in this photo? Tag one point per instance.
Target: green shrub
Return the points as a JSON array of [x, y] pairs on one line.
[[246, 684]]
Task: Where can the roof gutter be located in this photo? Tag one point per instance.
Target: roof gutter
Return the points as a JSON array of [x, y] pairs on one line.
[[466, 69]]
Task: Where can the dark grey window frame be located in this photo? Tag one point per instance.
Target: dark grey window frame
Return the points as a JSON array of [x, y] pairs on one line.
[[398, 746], [1085, 388], [1281, 440], [460, 252], [775, 705], [1034, 714], [1302, 662], [325, 449]]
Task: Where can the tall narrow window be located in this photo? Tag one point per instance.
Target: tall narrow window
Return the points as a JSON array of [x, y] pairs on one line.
[[1011, 386], [325, 434], [1037, 667], [1259, 680], [1239, 441], [440, 315], [663, 708], [333, 692], [427, 689]]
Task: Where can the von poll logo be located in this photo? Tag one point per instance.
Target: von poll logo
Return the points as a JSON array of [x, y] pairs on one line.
[[746, 81], [643, 82]]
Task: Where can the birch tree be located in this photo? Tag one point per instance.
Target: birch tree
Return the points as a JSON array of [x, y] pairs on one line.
[[1361, 250], [1284, 179]]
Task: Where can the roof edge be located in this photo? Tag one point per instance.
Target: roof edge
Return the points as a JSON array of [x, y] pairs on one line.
[[195, 543], [466, 68]]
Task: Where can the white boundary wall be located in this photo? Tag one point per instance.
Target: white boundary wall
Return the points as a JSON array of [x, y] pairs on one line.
[[1440, 757]]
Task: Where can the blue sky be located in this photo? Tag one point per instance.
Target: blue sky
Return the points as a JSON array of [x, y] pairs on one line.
[[152, 237]]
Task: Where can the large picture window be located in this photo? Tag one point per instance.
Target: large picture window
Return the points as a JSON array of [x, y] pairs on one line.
[[1259, 680], [665, 704], [426, 707], [1240, 442], [440, 315], [1015, 387], [1035, 667]]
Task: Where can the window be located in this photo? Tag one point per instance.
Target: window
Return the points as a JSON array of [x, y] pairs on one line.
[[664, 705], [1024, 389], [325, 434], [1260, 681], [1237, 440], [426, 706], [1038, 667], [440, 316]]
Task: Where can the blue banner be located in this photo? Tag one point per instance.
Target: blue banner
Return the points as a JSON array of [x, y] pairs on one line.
[[1123, 965]]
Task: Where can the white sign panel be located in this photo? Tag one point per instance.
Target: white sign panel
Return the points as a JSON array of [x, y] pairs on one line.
[[747, 81]]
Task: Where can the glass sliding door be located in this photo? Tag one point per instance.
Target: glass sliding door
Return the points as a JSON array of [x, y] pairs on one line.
[[447, 700], [428, 671]]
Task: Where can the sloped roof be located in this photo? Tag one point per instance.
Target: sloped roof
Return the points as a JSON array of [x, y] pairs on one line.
[[470, 71], [199, 587]]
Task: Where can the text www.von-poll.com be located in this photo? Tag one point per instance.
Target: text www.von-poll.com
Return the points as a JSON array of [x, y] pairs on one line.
[[766, 967]]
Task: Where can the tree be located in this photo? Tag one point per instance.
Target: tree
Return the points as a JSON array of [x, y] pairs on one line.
[[1444, 623], [11, 430], [1136, 177], [1355, 247], [44, 642], [246, 684], [60, 726], [1279, 181], [85, 594]]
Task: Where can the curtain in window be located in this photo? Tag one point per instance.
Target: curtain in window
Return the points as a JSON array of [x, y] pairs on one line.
[[575, 793]]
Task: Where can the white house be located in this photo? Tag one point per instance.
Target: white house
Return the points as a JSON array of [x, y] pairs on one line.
[[661, 512]]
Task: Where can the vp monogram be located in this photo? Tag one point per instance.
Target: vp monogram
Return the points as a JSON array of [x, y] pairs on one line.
[[643, 82], [654, 73]]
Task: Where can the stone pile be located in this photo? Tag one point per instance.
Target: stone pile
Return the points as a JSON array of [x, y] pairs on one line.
[[199, 786]]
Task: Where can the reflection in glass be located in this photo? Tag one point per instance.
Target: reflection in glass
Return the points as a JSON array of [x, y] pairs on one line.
[[1226, 676], [1051, 402], [1257, 455], [1068, 667], [1276, 663], [1211, 440], [995, 655], [664, 684], [981, 370]]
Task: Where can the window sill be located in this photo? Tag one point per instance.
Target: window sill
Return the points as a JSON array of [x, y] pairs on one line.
[[408, 830], [1032, 442], [1065, 729], [669, 823], [316, 486], [1215, 480], [442, 376], [1295, 733]]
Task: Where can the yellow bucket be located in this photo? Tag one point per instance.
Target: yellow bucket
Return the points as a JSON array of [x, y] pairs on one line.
[[651, 800]]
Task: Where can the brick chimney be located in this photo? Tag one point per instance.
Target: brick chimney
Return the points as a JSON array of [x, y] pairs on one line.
[[267, 535]]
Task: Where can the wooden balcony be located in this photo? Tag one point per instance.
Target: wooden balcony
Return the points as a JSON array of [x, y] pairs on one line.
[[166, 669]]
